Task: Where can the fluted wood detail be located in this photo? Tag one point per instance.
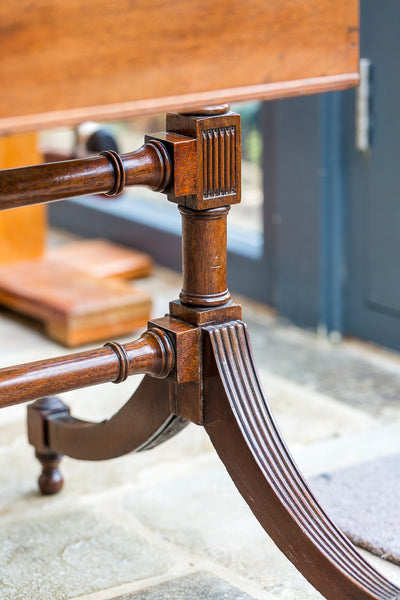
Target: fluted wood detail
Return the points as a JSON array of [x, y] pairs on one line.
[[273, 486], [219, 159]]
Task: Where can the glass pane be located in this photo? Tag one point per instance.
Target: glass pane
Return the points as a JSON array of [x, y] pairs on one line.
[[248, 214]]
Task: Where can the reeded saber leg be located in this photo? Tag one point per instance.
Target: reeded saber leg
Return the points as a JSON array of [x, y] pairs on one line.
[[239, 422]]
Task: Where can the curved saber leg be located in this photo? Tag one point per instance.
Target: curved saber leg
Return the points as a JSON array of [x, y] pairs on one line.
[[242, 429], [144, 422]]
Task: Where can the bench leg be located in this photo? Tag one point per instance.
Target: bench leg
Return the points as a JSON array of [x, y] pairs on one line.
[[243, 431], [214, 381], [144, 422]]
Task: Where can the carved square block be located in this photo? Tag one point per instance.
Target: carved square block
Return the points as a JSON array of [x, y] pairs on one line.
[[183, 153], [185, 380], [218, 158]]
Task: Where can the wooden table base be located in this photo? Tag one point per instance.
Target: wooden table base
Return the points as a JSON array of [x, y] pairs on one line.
[[236, 416], [198, 364]]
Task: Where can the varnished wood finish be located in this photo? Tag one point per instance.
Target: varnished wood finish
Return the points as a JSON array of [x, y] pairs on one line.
[[50, 480], [204, 280], [195, 315], [144, 422], [75, 307], [183, 153], [151, 353], [109, 60], [190, 102], [218, 157], [103, 259], [185, 380], [210, 379], [149, 166], [204, 212], [214, 51], [239, 422]]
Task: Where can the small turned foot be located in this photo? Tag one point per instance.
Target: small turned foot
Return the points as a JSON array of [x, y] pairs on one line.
[[50, 480]]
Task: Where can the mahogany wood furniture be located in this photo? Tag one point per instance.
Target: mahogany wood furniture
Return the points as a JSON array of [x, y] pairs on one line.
[[197, 359]]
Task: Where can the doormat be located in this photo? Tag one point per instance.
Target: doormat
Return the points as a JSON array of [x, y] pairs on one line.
[[197, 586], [364, 502]]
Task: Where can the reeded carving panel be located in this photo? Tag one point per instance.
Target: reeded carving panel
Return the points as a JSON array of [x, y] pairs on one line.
[[218, 151], [219, 160]]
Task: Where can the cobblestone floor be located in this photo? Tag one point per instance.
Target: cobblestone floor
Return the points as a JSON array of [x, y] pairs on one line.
[[169, 524]]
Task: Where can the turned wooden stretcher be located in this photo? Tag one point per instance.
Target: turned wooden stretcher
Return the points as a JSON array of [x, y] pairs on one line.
[[111, 60]]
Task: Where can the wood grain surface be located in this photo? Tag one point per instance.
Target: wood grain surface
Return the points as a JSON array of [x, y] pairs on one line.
[[23, 231], [103, 259], [76, 308], [106, 173], [67, 61], [151, 353]]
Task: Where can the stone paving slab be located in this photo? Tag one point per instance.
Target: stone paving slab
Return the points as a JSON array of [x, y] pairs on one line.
[[199, 586], [58, 555], [348, 449], [301, 413], [360, 379], [19, 471], [202, 513]]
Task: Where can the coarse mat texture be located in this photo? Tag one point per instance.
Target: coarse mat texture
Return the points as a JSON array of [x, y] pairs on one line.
[[198, 586], [364, 502]]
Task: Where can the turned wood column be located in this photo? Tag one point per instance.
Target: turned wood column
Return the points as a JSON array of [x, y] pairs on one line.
[[204, 257], [204, 208]]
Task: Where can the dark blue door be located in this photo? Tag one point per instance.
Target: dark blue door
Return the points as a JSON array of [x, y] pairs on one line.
[[372, 290]]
